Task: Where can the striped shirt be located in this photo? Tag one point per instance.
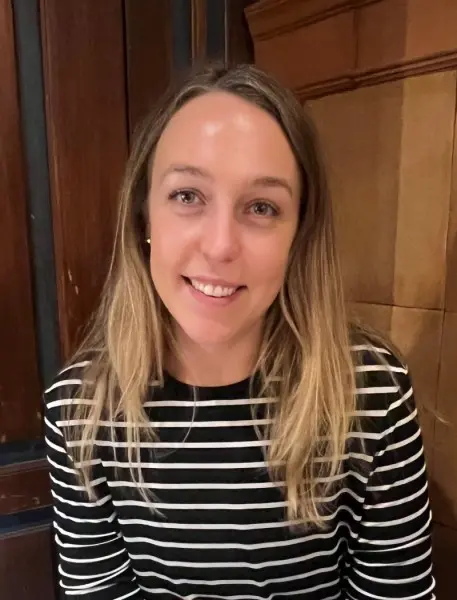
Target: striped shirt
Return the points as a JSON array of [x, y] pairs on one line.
[[219, 530]]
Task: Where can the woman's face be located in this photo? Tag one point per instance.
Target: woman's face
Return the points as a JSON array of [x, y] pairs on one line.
[[223, 208]]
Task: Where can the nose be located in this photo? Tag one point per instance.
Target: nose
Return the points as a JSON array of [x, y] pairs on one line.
[[220, 239]]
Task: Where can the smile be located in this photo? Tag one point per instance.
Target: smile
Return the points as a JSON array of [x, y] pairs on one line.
[[212, 290]]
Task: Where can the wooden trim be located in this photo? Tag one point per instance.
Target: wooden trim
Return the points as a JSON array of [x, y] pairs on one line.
[[274, 17], [24, 486], [352, 43], [445, 61], [198, 30]]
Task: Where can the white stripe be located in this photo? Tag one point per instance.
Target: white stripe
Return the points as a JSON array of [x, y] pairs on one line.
[[61, 467], [58, 384], [106, 576], [92, 560], [177, 506], [168, 424], [99, 589], [382, 367], [197, 485], [77, 365], [199, 466], [375, 488], [241, 582], [202, 403], [389, 564], [400, 444], [62, 515], [391, 541], [181, 445], [79, 488], [86, 546], [209, 526], [398, 502], [97, 502], [402, 463], [387, 389], [69, 402], [246, 547], [244, 596], [53, 427], [369, 348], [376, 597], [80, 536], [53, 446], [397, 521]]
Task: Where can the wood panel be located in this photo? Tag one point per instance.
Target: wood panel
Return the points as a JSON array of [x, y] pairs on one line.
[[20, 397], [389, 149], [358, 42], [148, 31], [24, 486], [445, 452], [26, 565], [451, 278], [445, 553], [86, 112]]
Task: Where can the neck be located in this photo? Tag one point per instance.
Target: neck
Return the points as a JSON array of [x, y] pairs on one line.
[[214, 365]]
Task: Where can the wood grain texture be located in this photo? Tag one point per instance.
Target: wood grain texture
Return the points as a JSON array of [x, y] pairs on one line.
[[20, 386], [86, 112], [451, 242], [445, 451], [445, 553], [27, 565], [24, 486], [425, 170], [389, 150], [382, 40], [148, 31]]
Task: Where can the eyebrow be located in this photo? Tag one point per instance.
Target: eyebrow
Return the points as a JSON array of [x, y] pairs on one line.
[[261, 181]]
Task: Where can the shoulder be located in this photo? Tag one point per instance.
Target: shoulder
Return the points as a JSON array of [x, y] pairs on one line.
[[385, 395], [65, 387]]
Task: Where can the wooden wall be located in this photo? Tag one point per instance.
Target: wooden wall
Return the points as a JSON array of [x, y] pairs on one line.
[[380, 78]]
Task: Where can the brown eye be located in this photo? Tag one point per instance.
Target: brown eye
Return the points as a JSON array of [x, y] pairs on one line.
[[186, 197], [263, 209]]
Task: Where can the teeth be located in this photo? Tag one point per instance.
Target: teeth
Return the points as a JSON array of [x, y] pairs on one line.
[[217, 291]]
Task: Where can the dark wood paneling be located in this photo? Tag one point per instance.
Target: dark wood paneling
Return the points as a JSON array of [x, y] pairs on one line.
[[148, 31], [20, 387], [445, 558], [24, 486], [26, 565], [84, 80], [240, 48]]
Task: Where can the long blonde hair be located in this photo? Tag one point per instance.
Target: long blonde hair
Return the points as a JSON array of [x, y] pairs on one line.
[[305, 359]]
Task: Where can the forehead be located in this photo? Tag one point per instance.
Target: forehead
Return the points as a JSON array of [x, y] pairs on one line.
[[220, 129]]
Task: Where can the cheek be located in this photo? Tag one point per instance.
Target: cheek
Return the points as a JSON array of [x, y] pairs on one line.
[[269, 263]]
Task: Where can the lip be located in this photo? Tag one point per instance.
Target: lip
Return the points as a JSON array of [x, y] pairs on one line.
[[213, 281], [212, 302]]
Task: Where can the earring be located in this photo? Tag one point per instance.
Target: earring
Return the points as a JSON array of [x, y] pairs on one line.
[[148, 241]]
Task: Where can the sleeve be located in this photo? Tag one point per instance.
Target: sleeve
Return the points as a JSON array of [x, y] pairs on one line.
[[390, 554], [93, 561]]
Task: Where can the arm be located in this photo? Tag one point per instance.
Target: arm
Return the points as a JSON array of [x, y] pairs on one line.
[[391, 555], [93, 561]]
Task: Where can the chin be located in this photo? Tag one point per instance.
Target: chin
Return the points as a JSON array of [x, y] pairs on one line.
[[208, 334]]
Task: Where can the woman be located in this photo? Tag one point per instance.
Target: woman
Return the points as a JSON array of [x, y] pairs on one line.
[[223, 433]]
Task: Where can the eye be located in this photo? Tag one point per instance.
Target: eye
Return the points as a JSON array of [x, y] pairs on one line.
[[263, 209], [185, 197]]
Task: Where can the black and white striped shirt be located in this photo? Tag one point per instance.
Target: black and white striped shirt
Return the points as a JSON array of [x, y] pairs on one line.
[[220, 531]]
